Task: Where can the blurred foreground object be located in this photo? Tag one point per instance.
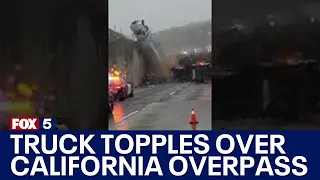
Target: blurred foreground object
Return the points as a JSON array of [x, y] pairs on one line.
[[22, 108], [24, 90]]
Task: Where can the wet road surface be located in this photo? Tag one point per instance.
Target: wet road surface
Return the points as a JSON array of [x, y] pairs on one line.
[[164, 107]]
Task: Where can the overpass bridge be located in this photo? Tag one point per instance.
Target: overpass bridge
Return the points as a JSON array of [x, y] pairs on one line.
[[135, 57], [125, 53]]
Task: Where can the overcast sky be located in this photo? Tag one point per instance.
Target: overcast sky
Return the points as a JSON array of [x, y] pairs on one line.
[[158, 14]]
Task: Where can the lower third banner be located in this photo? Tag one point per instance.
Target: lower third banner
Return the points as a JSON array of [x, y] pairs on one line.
[[159, 154]]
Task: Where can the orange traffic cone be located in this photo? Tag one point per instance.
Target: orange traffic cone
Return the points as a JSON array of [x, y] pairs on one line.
[[194, 127], [193, 118]]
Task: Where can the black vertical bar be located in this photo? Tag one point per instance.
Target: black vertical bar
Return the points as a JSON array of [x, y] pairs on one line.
[[212, 63]]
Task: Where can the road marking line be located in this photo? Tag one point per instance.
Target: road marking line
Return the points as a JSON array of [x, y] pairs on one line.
[[150, 104], [127, 116], [135, 112]]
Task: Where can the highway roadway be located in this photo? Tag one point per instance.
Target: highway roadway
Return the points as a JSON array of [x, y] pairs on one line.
[[164, 107]]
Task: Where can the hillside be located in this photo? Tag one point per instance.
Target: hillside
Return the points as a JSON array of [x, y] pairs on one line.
[[190, 36], [251, 11]]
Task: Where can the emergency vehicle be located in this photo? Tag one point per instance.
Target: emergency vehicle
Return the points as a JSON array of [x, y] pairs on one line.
[[200, 71], [119, 89]]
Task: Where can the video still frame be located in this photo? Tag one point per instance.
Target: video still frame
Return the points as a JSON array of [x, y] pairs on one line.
[[266, 65], [159, 61]]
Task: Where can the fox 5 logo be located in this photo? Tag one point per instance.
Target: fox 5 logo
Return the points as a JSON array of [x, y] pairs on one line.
[[32, 123]]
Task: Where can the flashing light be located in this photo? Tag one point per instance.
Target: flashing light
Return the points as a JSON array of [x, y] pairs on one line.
[[11, 106], [117, 73], [25, 90], [201, 63], [114, 78]]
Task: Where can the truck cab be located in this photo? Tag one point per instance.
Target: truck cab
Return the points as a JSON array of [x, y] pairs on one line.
[[140, 30]]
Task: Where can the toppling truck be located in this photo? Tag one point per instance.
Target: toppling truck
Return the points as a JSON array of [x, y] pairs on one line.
[[148, 48]]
